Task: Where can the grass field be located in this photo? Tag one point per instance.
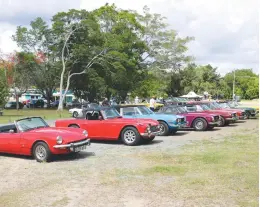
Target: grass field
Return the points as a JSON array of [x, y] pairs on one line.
[[209, 173], [11, 115]]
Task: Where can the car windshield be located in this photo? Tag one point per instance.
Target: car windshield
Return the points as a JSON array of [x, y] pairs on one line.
[[217, 105], [205, 107], [111, 113], [31, 123], [224, 105], [182, 110], [144, 110]]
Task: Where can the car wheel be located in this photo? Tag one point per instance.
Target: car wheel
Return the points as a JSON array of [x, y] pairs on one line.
[[164, 129], [221, 121], [75, 114], [74, 126], [130, 136], [41, 152], [200, 124]]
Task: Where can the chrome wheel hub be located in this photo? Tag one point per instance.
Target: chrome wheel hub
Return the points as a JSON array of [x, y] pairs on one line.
[[129, 136], [161, 129], [40, 152], [199, 125]]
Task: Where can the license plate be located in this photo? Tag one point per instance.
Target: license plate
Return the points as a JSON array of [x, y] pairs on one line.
[[80, 148]]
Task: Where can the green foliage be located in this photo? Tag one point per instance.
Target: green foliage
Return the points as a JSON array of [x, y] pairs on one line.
[[246, 83], [150, 86], [128, 52], [4, 90]]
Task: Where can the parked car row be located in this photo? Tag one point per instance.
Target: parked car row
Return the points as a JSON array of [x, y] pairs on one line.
[[131, 124]]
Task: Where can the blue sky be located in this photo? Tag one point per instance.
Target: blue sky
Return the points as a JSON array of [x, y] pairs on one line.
[[225, 31]]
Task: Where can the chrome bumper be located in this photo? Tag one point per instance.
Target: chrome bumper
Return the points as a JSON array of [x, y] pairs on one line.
[[77, 144], [231, 119], [213, 123], [149, 134]]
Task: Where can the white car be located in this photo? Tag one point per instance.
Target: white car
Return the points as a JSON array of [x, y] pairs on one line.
[[76, 112]]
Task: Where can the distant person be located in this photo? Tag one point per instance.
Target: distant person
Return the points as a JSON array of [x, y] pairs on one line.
[[105, 102], [136, 100], [152, 103]]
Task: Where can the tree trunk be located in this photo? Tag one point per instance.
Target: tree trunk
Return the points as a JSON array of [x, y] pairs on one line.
[[17, 101]]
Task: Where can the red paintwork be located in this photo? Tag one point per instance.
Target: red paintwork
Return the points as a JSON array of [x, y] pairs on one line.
[[191, 116], [238, 111], [107, 129], [225, 114], [22, 142]]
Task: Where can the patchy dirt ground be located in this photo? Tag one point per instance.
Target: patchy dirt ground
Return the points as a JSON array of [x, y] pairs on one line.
[[96, 177]]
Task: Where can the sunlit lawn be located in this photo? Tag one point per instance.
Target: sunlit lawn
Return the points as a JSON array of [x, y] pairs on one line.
[[10, 115], [209, 173]]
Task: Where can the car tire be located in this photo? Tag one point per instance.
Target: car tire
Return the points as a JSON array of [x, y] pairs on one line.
[[41, 152], [130, 136], [74, 126], [221, 121], [75, 114], [200, 124], [164, 129]]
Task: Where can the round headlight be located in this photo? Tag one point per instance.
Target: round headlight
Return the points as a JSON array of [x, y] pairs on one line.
[[85, 133], [59, 139]]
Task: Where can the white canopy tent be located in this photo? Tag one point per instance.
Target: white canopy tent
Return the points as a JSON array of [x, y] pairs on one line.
[[192, 94]]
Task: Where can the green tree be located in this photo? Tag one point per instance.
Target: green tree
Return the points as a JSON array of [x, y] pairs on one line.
[[4, 90], [38, 44]]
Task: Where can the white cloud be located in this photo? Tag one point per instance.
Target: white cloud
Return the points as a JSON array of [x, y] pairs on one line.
[[226, 32]]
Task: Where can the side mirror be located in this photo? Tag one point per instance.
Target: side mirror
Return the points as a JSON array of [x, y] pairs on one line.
[[11, 131], [100, 118]]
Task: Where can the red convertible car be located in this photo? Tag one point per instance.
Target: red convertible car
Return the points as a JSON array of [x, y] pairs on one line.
[[225, 117], [105, 123], [198, 120], [33, 136]]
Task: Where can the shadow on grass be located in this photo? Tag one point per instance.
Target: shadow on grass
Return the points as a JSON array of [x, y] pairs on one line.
[[72, 156], [191, 130], [119, 142], [55, 158]]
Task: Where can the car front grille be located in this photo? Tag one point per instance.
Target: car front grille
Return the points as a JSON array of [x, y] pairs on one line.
[[180, 120], [154, 128], [216, 118], [243, 113], [234, 114], [77, 141]]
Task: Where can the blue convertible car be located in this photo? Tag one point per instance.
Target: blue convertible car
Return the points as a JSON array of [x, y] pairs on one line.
[[169, 123]]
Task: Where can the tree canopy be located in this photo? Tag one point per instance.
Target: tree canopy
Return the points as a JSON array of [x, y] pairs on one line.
[[113, 52]]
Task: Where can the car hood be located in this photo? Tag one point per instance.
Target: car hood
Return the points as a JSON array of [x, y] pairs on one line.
[[135, 121], [232, 110], [221, 112], [68, 134], [199, 114], [164, 116]]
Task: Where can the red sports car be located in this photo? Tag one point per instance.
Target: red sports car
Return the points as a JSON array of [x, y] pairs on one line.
[[33, 136], [105, 123], [198, 120], [226, 117]]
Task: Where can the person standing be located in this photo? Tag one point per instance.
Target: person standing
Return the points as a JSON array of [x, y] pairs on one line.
[[136, 100], [105, 102], [152, 103]]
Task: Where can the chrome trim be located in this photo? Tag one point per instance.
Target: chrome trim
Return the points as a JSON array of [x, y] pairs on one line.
[[76, 144], [149, 134]]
